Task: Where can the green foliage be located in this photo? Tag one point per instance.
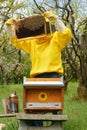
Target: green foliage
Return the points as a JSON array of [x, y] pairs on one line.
[[11, 60]]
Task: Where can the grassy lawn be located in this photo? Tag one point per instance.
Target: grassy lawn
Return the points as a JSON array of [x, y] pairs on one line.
[[76, 111]]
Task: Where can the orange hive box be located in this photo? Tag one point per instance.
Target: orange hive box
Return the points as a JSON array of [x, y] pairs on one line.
[[43, 94]]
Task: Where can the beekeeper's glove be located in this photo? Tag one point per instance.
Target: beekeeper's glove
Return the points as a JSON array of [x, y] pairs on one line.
[[10, 28], [49, 14], [53, 19], [59, 25], [49, 17]]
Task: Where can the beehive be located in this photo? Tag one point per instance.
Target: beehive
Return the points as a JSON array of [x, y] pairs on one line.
[[43, 94]]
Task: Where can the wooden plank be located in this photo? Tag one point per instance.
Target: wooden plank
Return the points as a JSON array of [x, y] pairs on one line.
[[25, 116], [43, 79], [42, 109], [33, 37], [7, 115]]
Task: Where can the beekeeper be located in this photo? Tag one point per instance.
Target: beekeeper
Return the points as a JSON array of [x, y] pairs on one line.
[[45, 52]]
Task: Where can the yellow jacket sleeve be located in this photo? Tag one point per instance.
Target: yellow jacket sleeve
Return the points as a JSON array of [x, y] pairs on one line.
[[63, 38], [22, 44]]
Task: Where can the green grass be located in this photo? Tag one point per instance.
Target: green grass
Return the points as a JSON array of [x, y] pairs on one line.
[[76, 111]]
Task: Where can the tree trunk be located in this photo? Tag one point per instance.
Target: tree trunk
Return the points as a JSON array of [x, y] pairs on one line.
[[5, 81], [82, 93]]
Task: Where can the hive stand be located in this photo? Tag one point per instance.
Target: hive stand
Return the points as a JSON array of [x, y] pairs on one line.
[[42, 96], [26, 120]]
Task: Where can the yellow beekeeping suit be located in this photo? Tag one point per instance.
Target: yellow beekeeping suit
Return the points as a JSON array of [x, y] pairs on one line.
[[45, 52]]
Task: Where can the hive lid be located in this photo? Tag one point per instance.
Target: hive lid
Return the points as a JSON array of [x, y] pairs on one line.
[[43, 81]]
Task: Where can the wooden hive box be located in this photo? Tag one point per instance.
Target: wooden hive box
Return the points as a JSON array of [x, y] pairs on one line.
[[32, 26], [43, 94]]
